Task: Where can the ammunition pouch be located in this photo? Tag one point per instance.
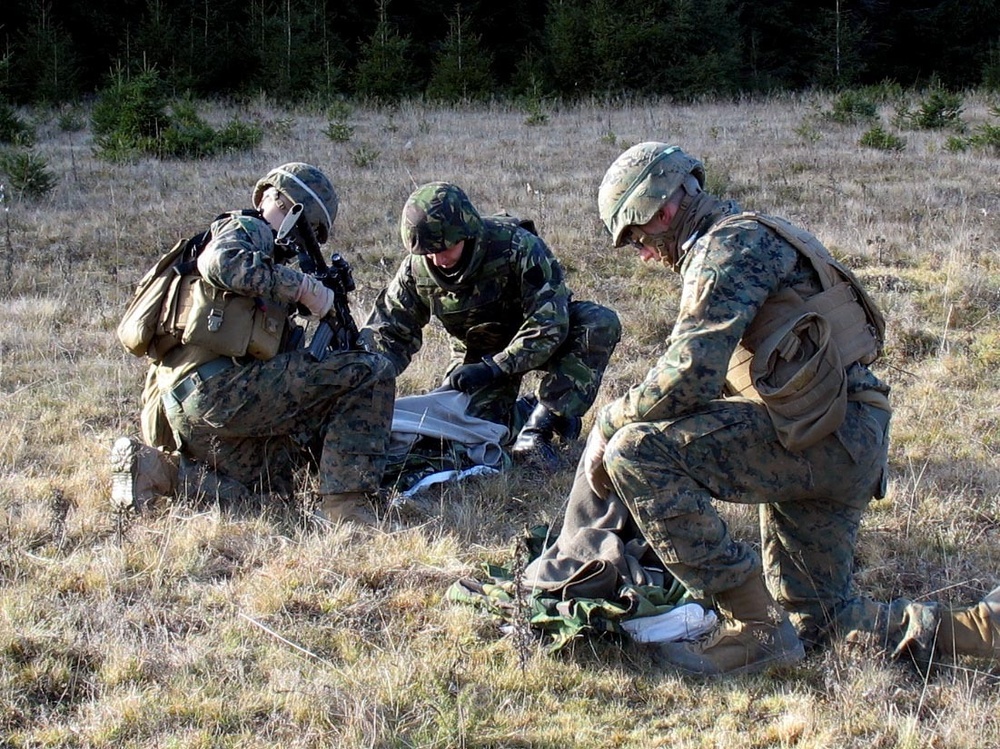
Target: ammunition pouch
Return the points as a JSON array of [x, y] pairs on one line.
[[228, 324]]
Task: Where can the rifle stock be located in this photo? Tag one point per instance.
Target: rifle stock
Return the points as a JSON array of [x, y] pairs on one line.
[[337, 329]]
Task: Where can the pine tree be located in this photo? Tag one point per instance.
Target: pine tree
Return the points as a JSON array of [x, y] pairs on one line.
[[837, 38], [383, 72], [462, 69], [44, 61], [700, 42], [568, 47]]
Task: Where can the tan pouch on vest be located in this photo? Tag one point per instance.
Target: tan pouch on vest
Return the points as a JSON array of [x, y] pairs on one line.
[[228, 324], [800, 377], [269, 320]]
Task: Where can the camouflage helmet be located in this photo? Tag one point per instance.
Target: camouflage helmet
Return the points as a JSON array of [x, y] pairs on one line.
[[437, 216], [640, 181], [307, 185]]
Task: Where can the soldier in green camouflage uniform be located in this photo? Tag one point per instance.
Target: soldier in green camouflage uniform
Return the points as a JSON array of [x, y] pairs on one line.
[[254, 422], [674, 444], [500, 294]]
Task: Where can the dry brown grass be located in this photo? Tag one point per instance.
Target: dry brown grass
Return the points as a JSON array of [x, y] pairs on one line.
[[205, 628]]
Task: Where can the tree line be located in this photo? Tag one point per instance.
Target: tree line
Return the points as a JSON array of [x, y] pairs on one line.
[[454, 50]]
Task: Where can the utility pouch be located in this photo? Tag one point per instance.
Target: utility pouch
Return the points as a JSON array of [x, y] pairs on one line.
[[226, 323], [269, 323], [800, 377], [219, 320]]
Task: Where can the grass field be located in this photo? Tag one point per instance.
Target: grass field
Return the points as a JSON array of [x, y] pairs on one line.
[[198, 627]]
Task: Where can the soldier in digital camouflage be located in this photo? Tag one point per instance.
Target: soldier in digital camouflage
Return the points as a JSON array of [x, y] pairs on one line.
[[764, 396], [242, 425], [500, 294]]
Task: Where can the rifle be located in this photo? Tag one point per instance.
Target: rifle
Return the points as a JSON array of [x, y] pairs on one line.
[[337, 329]]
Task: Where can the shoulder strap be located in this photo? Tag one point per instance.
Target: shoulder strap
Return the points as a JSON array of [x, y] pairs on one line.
[[187, 263]]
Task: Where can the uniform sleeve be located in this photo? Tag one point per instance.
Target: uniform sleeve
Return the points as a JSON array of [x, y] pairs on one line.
[[240, 257], [396, 323], [544, 303], [726, 280]]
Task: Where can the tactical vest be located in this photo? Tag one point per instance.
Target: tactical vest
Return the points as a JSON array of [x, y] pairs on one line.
[[794, 354], [483, 312]]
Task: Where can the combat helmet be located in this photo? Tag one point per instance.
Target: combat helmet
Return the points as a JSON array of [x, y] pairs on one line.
[[307, 185], [640, 181], [437, 216]]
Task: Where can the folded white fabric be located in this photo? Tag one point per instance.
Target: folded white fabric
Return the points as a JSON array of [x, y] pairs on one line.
[[441, 414], [687, 622]]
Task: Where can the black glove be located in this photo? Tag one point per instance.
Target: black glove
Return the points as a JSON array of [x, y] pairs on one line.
[[472, 377]]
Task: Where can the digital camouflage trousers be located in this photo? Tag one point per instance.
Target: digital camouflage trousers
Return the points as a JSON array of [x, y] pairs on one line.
[[670, 474], [258, 423]]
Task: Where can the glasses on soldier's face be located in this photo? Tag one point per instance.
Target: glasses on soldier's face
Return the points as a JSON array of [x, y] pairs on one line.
[[637, 238]]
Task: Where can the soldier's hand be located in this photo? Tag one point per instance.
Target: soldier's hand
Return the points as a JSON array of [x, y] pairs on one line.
[[314, 296], [471, 377], [593, 463]]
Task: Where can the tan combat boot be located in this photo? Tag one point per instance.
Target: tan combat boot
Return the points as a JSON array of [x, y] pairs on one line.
[[972, 631], [140, 474], [754, 633], [347, 507]]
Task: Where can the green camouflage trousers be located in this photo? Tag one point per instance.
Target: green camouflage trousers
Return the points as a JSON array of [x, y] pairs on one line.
[[669, 473], [571, 377], [257, 423]]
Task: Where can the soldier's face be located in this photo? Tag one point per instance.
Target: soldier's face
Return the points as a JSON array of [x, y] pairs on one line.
[[647, 238], [448, 258], [274, 206]]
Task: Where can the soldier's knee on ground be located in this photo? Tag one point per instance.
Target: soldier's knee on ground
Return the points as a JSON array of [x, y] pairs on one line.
[[199, 484]]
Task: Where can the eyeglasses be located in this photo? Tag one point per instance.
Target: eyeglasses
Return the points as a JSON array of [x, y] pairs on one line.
[[637, 238]]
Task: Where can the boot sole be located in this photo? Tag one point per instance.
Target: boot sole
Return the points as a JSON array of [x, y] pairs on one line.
[[123, 464]]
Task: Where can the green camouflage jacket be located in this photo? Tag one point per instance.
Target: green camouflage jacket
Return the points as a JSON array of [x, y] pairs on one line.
[[506, 299]]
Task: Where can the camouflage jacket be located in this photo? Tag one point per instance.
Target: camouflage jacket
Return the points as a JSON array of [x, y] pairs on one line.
[[727, 276], [506, 299], [240, 257]]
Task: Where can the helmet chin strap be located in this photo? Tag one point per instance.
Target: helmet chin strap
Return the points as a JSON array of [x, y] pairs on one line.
[[661, 243]]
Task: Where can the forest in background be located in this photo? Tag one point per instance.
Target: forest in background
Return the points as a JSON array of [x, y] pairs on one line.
[[467, 50]]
